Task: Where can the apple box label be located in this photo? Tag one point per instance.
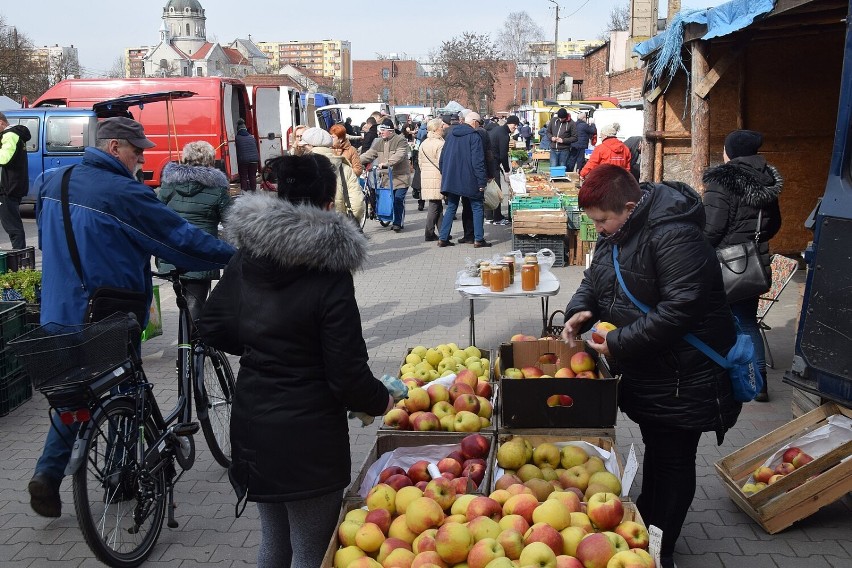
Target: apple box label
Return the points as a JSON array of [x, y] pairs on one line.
[[656, 540], [630, 469], [433, 470]]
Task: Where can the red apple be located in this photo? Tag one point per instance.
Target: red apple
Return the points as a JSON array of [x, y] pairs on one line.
[[547, 359], [476, 472], [381, 518], [475, 446], [762, 474], [484, 507], [634, 533], [555, 400], [419, 472], [418, 399], [507, 480], [784, 468], [467, 402], [790, 453], [388, 471], [467, 377], [600, 330], [449, 465], [483, 389], [595, 550], [426, 422], [421, 485], [441, 491], [397, 419], [522, 337], [398, 481], [774, 479], [802, 459], [438, 393], [582, 361], [605, 510], [564, 373], [457, 389], [542, 532], [532, 372], [586, 375], [460, 485]]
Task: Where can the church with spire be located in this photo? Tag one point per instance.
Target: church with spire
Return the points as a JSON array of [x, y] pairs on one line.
[[183, 49]]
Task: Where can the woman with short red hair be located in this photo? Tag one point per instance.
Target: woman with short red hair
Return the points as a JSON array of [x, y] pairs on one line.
[[342, 147], [668, 387]]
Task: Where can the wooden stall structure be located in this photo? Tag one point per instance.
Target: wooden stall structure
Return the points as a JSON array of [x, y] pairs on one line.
[[779, 76]]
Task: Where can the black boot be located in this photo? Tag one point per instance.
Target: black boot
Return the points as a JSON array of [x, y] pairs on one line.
[[763, 395]]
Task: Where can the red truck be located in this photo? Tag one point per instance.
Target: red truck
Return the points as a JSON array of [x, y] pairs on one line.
[[210, 115]]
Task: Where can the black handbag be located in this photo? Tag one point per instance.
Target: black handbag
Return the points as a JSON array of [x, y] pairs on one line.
[[742, 269], [104, 301]]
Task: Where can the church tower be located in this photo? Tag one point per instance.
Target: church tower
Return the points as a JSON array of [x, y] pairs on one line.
[[184, 24]]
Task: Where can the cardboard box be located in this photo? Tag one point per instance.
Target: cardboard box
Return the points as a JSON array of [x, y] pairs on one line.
[[802, 492], [490, 430], [631, 513], [524, 402], [605, 443], [437, 443]]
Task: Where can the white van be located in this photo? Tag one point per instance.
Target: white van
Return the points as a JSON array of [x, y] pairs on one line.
[[277, 111], [630, 120]]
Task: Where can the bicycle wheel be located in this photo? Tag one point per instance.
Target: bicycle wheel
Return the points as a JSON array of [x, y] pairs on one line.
[[119, 506], [216, 393], [362, 221]]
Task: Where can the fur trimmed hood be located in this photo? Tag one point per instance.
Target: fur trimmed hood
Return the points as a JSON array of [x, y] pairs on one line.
[[290, 236], [756, 182], [190, 180]]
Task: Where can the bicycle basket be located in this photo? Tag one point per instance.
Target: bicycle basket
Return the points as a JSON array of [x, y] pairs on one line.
[[60, 355]]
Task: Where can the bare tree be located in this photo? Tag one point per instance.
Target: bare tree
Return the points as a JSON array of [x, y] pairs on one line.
[[468, 66], [116, 70], [619, 20], [63, 66], [21, 73], [519, 30]]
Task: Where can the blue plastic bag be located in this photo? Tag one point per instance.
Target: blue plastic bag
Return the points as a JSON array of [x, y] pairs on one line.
[[746, 379]]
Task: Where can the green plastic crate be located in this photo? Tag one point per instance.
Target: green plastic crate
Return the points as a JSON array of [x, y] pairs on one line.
[[587, 231], [536, 202], [16, 259], [15, 390], [13, 317]]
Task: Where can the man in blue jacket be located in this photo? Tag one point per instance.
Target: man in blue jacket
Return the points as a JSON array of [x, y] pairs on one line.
[[463, 174], [118, 224]]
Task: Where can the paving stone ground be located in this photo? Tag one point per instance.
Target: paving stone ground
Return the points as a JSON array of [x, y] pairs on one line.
[[407, 298]]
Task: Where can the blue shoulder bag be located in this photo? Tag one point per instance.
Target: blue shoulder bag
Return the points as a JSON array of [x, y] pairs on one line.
[[741, 361]]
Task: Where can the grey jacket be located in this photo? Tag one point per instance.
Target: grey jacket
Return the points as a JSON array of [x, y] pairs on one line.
[[394, 153]]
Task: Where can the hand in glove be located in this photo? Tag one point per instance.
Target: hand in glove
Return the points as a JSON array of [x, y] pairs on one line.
[[396, 388]]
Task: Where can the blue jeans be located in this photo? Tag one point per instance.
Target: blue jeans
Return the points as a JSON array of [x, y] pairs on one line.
[[57, 449], [478, 217], [559, 158], [746, 313], [399, 206]]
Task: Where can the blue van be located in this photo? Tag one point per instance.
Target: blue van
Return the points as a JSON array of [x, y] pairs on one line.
[[59, 135]]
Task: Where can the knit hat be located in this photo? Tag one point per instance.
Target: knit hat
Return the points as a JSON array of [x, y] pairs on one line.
[[741, 143], [387, 124], [610, 130], [513, 119], [316, 137], [562, 113]]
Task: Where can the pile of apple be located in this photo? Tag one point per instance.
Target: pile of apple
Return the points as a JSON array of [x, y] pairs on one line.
[[464, 468], [791, 460], [464, 406], [423, 365], [436, 527], [580, 366]]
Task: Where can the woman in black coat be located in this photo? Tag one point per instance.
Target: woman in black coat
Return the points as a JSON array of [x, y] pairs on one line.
[[286, 305], [735, 193], [670, 389]]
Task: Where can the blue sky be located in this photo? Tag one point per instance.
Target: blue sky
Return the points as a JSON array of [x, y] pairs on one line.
[[101, 29]]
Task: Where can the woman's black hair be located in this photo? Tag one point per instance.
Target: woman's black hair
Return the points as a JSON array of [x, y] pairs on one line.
[[309, 179]]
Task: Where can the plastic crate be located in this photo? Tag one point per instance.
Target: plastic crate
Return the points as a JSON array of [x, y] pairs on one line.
[[587, 229], [536, 202], [15, 390], [574, 218], [12, 321], [530, 244], [14, 260], [557, 171], [570, 202]]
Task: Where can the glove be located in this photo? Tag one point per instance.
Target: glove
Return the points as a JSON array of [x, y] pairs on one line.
[[396, 388], [365, 419]]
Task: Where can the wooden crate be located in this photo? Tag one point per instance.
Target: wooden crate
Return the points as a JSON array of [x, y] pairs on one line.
[[540, 222], [799, 494]]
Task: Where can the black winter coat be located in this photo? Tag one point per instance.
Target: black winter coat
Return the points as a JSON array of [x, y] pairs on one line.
[[247, 152], [667, 264], [585, 131], [734, 193], [499, 140], [286, 305], [15, 180]]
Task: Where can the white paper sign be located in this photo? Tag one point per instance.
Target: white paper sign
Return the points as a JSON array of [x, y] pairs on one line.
[[630, 469], [656, 541]]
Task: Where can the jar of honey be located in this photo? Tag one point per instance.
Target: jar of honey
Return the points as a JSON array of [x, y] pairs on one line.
[[533, 260], [496, 278], [528, 278], [509, 260], [507, 275], [485, 273]]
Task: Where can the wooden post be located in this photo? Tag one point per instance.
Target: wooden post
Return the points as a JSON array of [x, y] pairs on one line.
[[646, 164], [741, 71], [658, 143], [700, 115]]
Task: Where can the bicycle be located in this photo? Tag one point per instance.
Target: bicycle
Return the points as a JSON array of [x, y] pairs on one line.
[[124, 454]]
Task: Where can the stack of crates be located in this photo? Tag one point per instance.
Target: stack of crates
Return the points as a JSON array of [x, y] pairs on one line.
[[17, 259], [15, 386], [587, 229]]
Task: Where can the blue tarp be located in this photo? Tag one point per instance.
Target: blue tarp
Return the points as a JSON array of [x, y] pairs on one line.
[[721, 20]]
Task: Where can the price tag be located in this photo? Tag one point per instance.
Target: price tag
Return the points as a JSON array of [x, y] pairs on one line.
[[630, 469], [656, 541]]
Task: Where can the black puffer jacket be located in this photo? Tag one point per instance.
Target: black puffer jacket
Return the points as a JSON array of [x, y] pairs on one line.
[[734, 194], [16, 180], [286, 305], [667, 264]]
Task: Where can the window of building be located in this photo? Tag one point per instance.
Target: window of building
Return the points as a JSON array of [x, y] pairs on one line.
[[199, 72], [187, 29], [523, 94], [385, 73], [385, 94]]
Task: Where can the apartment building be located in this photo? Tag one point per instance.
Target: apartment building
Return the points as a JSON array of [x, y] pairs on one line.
[[330, 58]]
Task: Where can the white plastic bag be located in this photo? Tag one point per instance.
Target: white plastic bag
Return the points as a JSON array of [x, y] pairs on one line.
[[518, 183], [546, 258], [493, 196]]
